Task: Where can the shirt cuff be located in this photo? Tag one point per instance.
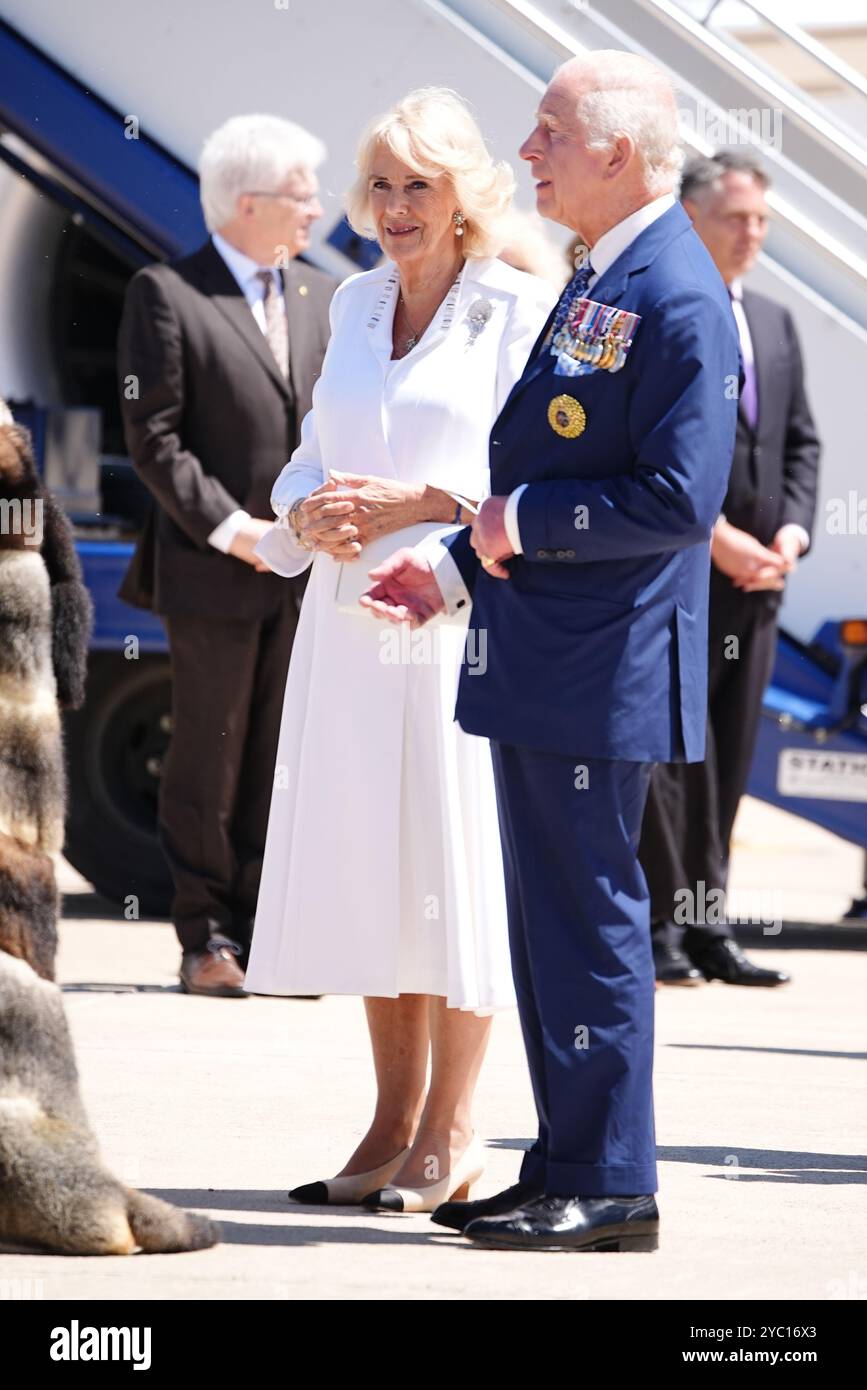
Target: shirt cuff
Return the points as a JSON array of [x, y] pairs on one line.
[[510, 520], [222, 536], [456, 595], [793, 529]]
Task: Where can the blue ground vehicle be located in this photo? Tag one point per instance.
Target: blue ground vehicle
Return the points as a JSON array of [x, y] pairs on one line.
[[811, 755]]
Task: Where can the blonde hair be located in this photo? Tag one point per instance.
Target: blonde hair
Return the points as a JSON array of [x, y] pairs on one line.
[[432, 131], [528, 246]]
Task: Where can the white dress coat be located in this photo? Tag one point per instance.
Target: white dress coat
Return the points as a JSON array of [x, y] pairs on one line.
[[383, 870]]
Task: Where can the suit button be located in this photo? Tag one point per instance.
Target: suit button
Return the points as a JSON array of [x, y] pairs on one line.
[[570, 554], [561, 554], [541, 554]]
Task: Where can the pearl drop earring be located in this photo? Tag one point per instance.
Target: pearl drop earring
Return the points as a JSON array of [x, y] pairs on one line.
[[459, 221]]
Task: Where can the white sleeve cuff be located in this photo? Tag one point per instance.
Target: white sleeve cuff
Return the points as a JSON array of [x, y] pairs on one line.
[[281, 552], [222, 536], [794, 529], [456, 595], [510, 520]]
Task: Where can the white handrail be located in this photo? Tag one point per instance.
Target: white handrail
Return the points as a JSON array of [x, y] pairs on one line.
[[826, 57], [794, 103]]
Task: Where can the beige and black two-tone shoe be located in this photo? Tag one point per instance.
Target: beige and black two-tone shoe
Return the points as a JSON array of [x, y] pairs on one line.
[[348, 1191], [456, 1184]]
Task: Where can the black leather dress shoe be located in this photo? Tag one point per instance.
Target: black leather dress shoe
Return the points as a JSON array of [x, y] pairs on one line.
[[457, 1215], [722, 959], [572, 1223], [673, 967]]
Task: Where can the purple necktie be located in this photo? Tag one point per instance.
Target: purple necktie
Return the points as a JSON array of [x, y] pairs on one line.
[[749, 395], [749, 391]]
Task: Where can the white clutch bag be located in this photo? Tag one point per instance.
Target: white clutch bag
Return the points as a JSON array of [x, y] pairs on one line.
[[353, 578]]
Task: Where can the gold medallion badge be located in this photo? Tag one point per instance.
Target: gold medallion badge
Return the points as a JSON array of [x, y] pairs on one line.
[[567, 417]]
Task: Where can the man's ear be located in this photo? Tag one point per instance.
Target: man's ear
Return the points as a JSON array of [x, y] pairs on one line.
[[244, 208], [622, 151]]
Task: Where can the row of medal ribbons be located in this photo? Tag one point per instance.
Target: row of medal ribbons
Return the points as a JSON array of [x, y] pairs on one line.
[[594, 336]]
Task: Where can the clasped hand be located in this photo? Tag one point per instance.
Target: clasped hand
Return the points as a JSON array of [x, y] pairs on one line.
[[350, 509], [404, 588], [750, 565]]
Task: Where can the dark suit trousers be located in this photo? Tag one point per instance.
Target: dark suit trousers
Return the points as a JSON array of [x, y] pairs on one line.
[[228, 683], [580, 945], [691, 807]]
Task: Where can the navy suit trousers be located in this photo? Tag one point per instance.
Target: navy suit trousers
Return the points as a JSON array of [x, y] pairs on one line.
[[579, 929]]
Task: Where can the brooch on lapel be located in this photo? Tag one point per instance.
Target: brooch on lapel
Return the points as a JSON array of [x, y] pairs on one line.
[[478, 316], [594, 337], [567, 417]]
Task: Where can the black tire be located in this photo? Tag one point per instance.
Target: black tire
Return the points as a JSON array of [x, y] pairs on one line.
[[116, 744]]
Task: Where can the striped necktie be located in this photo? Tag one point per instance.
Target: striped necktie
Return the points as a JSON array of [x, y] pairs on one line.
[[276, 327]]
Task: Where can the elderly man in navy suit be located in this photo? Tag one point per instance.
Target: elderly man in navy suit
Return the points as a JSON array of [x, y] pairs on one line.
[[587, 569]]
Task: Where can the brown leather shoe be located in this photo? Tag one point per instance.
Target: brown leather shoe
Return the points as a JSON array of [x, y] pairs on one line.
[[214, 971]]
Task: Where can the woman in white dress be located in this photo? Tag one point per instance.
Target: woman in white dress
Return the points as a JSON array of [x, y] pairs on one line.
[[383, 873]]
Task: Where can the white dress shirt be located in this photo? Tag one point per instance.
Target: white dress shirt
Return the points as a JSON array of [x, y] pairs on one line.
[[603, 255], [736, 291], [246, 271]]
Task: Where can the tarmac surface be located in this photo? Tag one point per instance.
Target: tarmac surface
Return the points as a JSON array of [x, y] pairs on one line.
[[222, 1105]]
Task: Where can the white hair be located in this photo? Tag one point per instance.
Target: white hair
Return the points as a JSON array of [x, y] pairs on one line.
[[251, 154], [625, 94], [432, 131]]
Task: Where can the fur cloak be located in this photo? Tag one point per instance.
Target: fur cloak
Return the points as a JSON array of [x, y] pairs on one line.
[[54, 1191]]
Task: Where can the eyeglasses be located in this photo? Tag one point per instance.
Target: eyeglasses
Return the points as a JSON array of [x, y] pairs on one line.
[[308, 201]]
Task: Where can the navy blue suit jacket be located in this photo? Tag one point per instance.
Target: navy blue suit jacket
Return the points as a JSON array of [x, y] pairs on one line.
[[597, 644]]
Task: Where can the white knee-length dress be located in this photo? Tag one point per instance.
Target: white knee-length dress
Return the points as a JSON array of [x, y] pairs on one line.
[[383, 869]]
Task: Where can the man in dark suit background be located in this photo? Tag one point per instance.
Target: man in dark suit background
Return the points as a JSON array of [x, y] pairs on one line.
[[762, 532], [218, 354]]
